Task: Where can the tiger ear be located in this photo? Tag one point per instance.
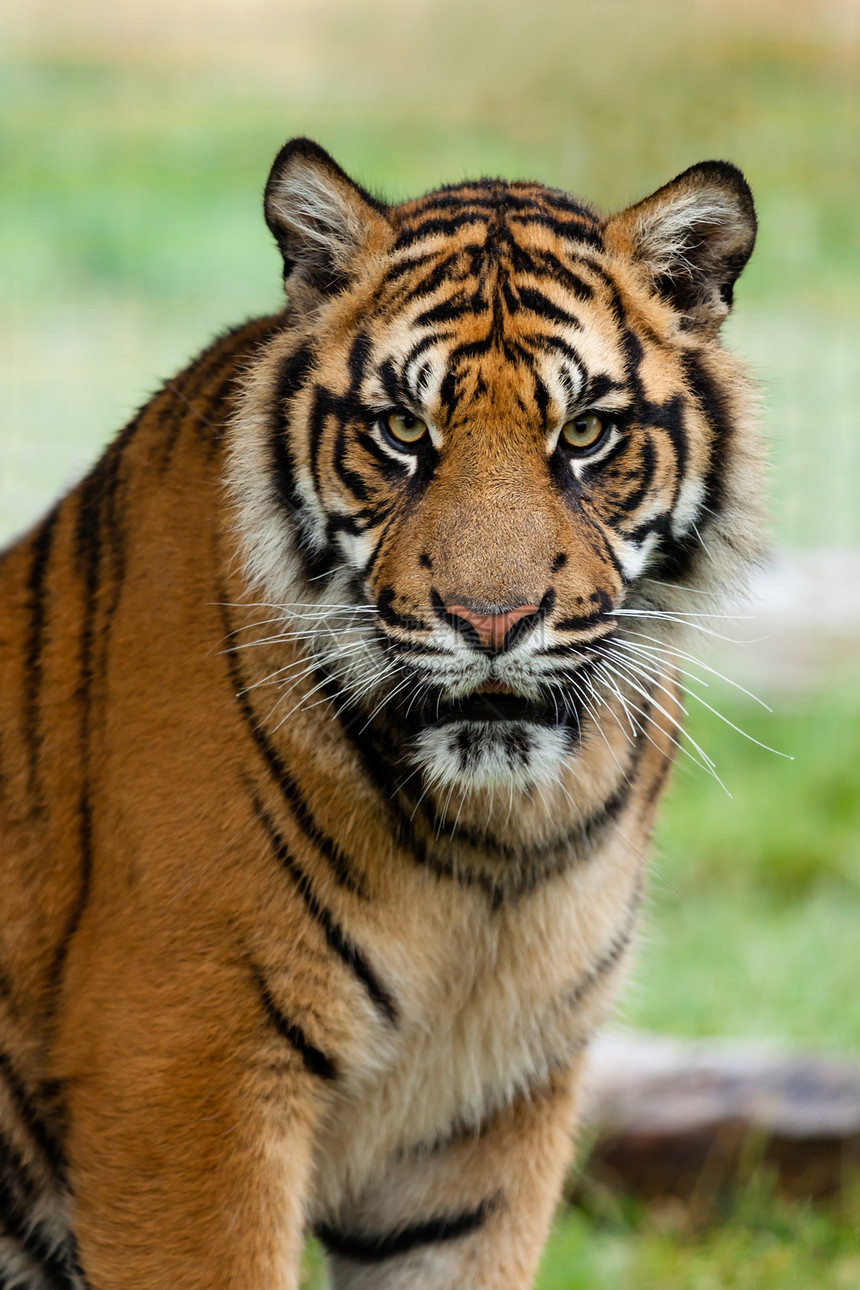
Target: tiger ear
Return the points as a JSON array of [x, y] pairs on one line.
[[320, 219], [694, 235]]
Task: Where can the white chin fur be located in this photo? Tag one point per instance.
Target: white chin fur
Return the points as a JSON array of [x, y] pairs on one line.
[[497, 754]]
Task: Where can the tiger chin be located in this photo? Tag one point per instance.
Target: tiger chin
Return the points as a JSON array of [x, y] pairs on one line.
[[336, 703]]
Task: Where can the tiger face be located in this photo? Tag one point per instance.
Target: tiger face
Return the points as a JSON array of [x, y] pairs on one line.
[[496, 434]]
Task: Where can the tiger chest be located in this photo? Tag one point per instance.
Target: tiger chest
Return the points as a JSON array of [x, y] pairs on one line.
[[489, 1003]]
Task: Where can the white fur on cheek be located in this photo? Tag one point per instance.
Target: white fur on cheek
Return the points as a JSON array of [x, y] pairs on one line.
[[688, 506]]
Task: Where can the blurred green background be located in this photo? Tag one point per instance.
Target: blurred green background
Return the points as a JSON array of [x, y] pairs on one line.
[[135, 143]]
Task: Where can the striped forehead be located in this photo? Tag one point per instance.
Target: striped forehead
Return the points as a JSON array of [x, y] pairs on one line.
[[488, 275]]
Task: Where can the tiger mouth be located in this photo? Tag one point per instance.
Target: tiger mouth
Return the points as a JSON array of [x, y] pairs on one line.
[[493, 705], [495, 701]]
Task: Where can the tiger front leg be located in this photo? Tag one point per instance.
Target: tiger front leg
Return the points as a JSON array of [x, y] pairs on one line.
[[472, 1211], [190, 1139]]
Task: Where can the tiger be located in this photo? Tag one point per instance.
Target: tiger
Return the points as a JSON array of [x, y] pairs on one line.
[[336, 703]]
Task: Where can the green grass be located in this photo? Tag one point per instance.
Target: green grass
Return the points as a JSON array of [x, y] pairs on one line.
[[755, 904], [764, 1244]]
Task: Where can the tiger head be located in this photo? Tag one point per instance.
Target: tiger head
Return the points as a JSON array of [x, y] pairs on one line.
[[494, 439]]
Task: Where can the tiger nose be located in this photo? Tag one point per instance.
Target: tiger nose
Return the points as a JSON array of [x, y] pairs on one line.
[[492, 628]]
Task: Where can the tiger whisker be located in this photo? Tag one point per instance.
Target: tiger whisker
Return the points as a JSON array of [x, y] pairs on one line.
[[650, 674], [284, 638], [706, 762], [290, 606], [443, 814], [598, 725], [690, 658], [310, 666], [677, 615], [684, 622], [630, 721], [722, 717], [386, 699]]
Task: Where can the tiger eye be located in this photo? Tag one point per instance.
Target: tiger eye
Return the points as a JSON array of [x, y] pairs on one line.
[[583, 432], [404, 427]]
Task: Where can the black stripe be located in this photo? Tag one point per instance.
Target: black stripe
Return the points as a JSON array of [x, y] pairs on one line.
[[502, 193], [540, 305], [30, 1118], [615, 303], [315, 1060], [599, 385], [421, 346], [339, 862], [407, 265], [357, 523], [715, 408], [181, 393], [547, 341], [445, 271], [292, 378], [646, 473], [572, 230], [88, 544], [19, 1196], [357, 360], [543, 264], [669, 417], [292, 375], [460, 305], [541, 397], [370, 563], [321, 406], [611, 956], [98, 528], [384, 464], [42, 545], [391, 381], [602, 546], [114, 536], [362, 1247], [177, 396], [582, 623], [449, 226], [337, 940], [407, 622], [348, 477], [680, 556], [113, 524], [493, 200]]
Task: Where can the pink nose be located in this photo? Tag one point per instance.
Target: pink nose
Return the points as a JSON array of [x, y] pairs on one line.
[[492, 628]]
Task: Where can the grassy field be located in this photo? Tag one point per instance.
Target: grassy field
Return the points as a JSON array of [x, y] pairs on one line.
[[135, 141]]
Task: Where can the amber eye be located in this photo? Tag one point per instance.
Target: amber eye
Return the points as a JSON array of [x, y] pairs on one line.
[[583, 432], [404, 427]]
